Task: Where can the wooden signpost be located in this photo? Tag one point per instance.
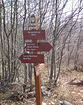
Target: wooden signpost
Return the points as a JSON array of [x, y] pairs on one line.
[[35, 46]]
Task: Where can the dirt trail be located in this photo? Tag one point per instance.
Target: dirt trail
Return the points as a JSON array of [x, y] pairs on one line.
[[73, 82]]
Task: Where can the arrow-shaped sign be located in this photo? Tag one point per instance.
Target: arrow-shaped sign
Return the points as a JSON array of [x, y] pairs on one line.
[[32, 58], [40, 46]]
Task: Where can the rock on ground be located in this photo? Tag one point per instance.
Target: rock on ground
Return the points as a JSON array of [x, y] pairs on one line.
[[66, 103]]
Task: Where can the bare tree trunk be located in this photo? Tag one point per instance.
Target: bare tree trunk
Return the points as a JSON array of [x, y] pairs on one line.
[[14, 42], [61, 55], [53, 69], [1, 41], [25, 66], [29, 65], [30, 75], [9, 72], [78, 43], [77, 54]]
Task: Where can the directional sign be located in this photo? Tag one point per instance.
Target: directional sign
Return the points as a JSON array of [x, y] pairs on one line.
[[32, 58], [40, 46], [34, 35]]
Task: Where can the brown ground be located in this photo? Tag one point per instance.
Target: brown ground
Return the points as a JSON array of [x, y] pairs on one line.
[[73, 83], [69, 88]]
